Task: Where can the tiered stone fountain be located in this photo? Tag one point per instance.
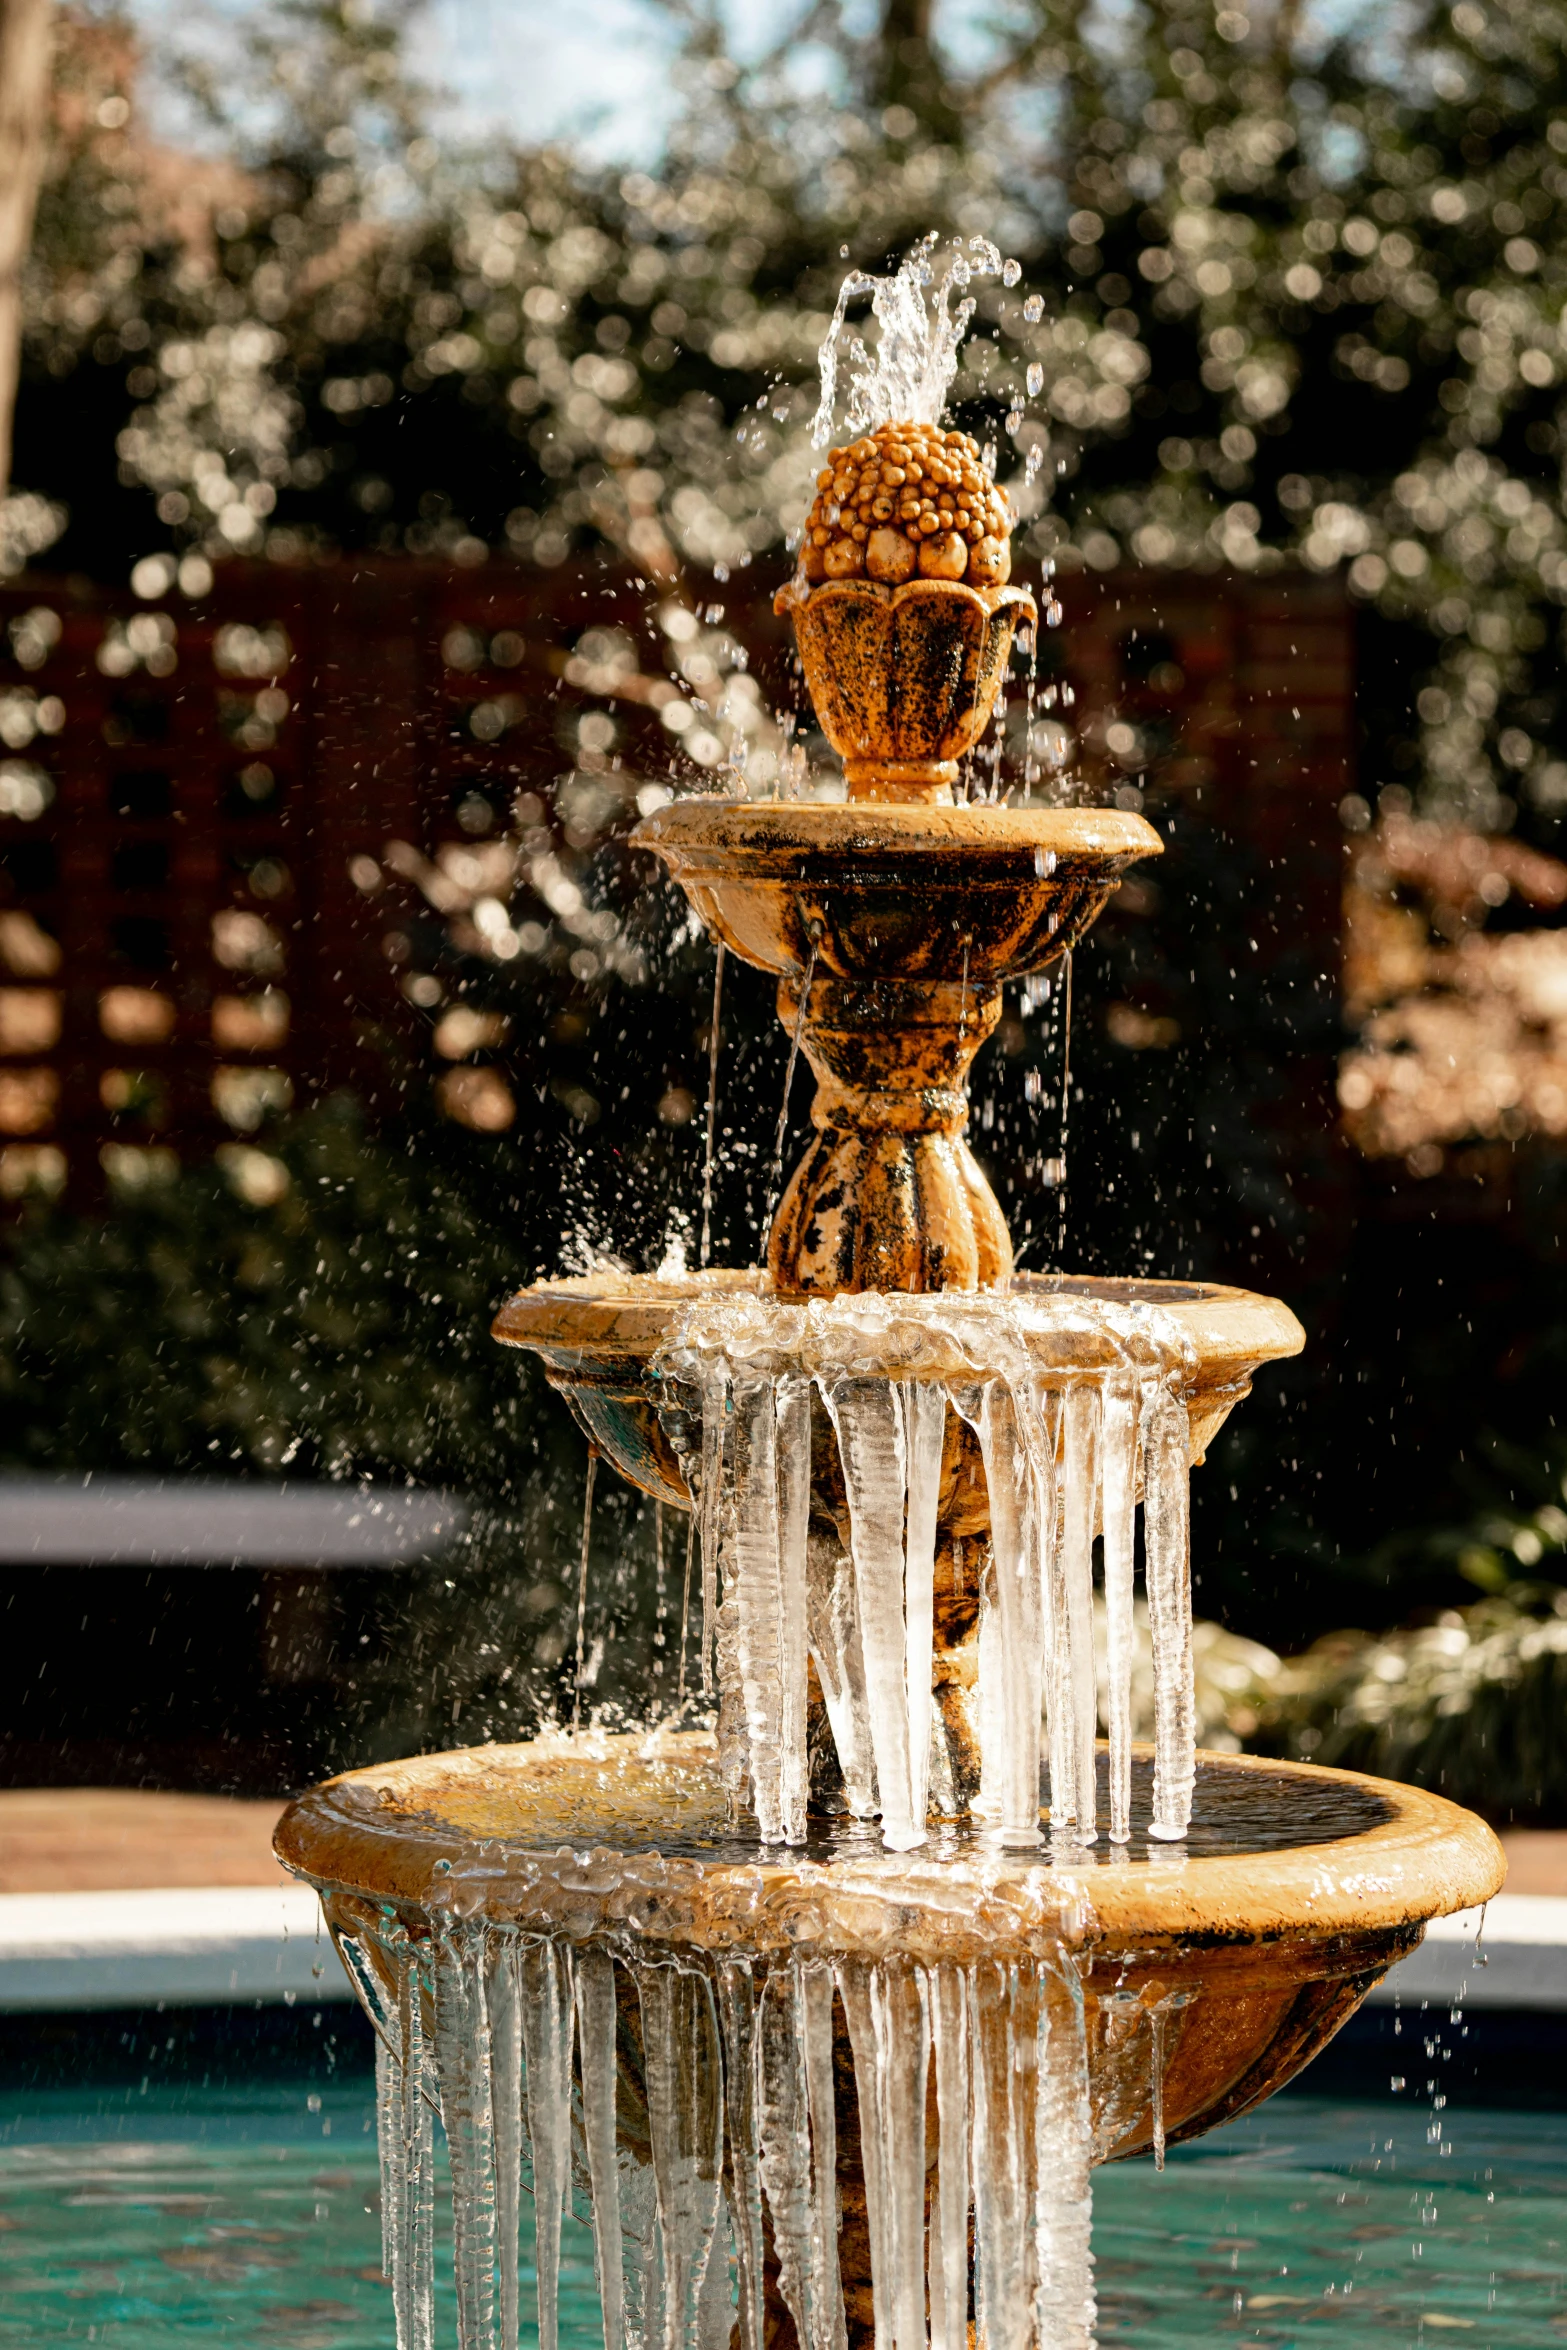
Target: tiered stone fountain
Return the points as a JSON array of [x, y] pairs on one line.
[[828, 2010]]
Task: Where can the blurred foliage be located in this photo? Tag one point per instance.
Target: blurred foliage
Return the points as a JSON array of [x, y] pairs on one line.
[[1299, 299], [1470, 1701], [338, 1327], [1298, 286], [338, 1331], [1471, 1705]]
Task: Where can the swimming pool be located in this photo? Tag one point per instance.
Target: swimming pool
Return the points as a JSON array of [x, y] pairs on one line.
[[154, 2212]]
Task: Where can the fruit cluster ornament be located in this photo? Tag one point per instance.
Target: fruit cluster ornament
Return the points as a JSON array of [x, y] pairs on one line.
[[907, 500]]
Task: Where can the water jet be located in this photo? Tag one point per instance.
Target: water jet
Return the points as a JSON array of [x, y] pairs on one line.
[[829, 2009]]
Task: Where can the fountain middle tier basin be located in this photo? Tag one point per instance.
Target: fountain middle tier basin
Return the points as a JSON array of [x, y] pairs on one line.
[[1211, 1973], [600, 1337]]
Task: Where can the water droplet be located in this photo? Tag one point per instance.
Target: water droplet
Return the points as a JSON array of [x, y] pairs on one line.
[[1034, 309], [1011, 271], [1036, 379]]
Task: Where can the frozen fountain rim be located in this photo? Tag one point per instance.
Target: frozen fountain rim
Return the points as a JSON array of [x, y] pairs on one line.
[[378, 1834], [630, 1316]]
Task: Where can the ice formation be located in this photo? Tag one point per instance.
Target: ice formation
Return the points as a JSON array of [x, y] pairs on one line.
[[1076, 1406], [691, 2102], [907, 378]]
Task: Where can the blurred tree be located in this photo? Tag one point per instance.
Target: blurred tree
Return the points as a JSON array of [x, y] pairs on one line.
[[1296, 297]]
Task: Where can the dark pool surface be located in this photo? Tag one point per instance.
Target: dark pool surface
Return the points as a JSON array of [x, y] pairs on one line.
[[155, 2198]]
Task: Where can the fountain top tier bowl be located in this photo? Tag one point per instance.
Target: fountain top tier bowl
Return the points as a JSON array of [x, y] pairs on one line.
[[878, 893]]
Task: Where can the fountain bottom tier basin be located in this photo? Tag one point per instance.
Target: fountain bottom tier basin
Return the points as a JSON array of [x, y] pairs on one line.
[[831, 2096]]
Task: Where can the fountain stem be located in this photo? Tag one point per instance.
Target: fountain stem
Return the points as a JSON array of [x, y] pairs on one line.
[[889, 1196]]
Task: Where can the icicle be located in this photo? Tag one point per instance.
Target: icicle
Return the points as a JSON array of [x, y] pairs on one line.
[[1003, 2040], [1160, 2016], [855, 1991], [593, 1973], [715, 2301], [1018, 1654], [462, 2058], [544, 1981], [686, 2128], [715, 1413], [889, 2033], [949, 2256], [503, 2003], [815, 2010], [794, 1526], [644, 2260], [409, 2120], [1156, 2085], [1080, 1414], [903, 2062], [1118, 1483], [1063, 2194], [1119, 2070], [737, 2022], [924, 1431], [991, 1689], [783, 2117], [1039, 1408], [869, 1425], [405, 2220], [833, 1635], [765, 1585], [1167, 1549], [389, 2146]]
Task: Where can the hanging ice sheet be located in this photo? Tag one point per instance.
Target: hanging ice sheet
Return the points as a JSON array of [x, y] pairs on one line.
[[694, 2102], [1076, 1406]]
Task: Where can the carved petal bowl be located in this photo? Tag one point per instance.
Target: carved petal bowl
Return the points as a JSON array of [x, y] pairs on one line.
[[904, 679]]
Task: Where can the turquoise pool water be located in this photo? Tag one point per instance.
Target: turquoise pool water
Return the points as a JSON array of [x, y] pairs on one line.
[[153, 2219]]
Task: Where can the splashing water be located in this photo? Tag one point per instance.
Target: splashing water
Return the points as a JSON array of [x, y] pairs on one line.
[[1076, 1407], [907, 378]]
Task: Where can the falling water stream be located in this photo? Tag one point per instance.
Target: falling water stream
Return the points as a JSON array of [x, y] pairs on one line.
[[709, 1161], [582, 1583]]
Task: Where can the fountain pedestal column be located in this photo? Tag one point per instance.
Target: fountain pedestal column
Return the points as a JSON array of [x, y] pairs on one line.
[[889, 1196]]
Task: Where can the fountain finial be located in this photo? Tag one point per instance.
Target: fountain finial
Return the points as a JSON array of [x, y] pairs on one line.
[[901, 608]]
